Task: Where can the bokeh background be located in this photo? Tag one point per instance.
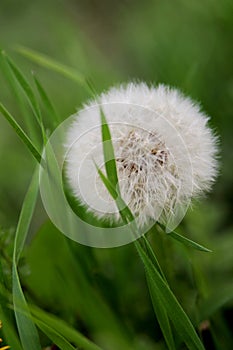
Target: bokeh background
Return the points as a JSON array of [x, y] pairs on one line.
[[186, 44]]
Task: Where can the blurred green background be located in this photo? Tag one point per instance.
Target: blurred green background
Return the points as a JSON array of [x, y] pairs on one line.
[[186, 44]]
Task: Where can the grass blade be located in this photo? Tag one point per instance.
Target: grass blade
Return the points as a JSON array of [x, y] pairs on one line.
[[162, 315], [26, 88], [188, 242], [125, 212], [160, 311], [175, 312], [48, 62], [52, 324], [57, 339], [108, 150], [17, 91], [185, 241], [111, 189], [47, 103], [152, 256], [11, 120], [27, 330], [111, 183]]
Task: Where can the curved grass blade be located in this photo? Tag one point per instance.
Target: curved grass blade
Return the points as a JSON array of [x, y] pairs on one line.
[[28, 92], [108, 150], [185, 241], [175, 312], [188, 242], [11, 120], [161, 312], [162, 315], [62, 328], [52, 334], [16, 89], [111, 183], [27, 330], [127, 217], [47, 103], [25, 87], [152, 256], [52, 64], [122, 207]]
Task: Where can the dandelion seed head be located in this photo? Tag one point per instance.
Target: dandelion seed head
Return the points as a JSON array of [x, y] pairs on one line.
[[165, 152]]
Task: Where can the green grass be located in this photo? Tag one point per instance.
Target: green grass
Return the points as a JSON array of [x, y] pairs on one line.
[[158, 295]]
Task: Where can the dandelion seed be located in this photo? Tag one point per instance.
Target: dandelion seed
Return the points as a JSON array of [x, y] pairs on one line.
[[165, 152]]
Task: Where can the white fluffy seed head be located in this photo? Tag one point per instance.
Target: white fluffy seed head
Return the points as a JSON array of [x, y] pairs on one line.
[[165, 152]]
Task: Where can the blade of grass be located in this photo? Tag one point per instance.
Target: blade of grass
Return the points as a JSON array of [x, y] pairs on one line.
[[19, 98], [111, 182], [127, 217], [108, 150], [52, 64], [28, 92], [185, 241], [25, 86], [52, 334], [151, 254], [27, 330], [47, 103], [175, 312], [188, 242], [62, 328], [162, 315], [124, 211], [11, 120]]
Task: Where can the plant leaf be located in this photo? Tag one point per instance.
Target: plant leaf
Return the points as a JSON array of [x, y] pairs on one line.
[[111, 183], [175, 312], [47, 103], [185, 241], [188, 242], [54, 324], [52, 334], [50, 63], [124, 211], [162, 315], [25, 87], [27, 330], [108, 150], [17, 91], [29, 94], [11, 120]]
